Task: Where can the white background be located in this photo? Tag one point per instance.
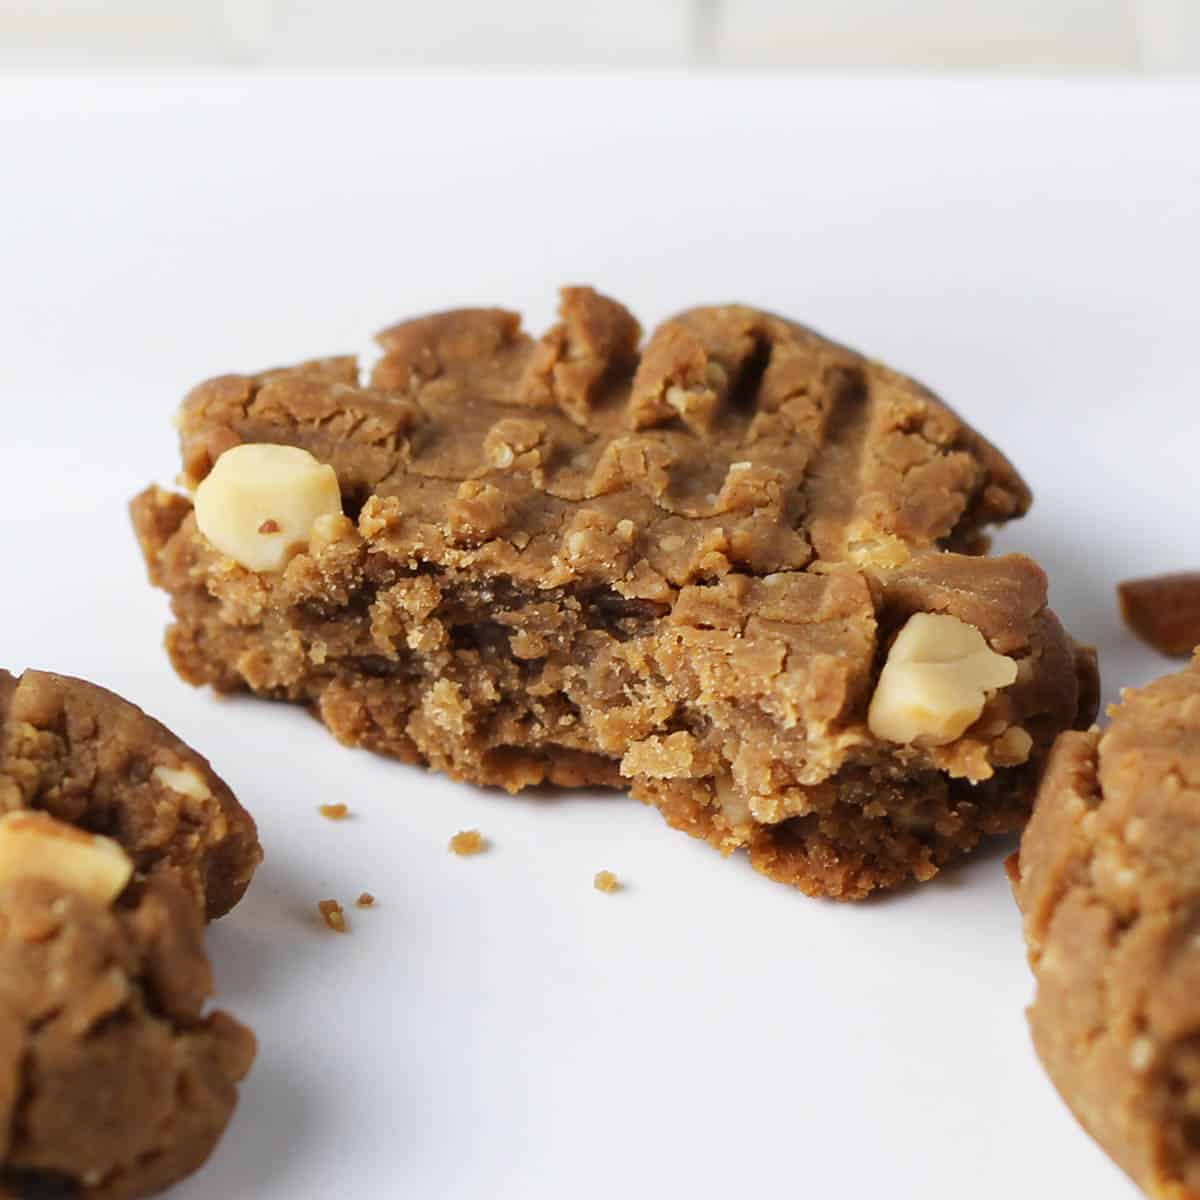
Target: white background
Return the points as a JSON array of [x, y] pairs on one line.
[[957, 35], [497, 1028]]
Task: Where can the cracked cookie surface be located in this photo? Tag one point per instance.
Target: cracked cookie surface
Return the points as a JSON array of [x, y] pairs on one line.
[[1108, 880], [86, 756], [114, 1084], [675, 567]]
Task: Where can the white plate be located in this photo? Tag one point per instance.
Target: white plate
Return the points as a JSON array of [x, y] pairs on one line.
[[496, 1027]]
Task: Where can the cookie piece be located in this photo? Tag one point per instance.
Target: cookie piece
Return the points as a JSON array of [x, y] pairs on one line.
[[1108, 880], [1164, 611], [90, 758], [677, 568], [113, 1082]]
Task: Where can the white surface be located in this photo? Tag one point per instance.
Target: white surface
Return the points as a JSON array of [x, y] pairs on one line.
[[937, 35], [496, 1028]]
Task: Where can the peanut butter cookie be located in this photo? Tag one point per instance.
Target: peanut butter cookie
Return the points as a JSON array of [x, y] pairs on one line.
[[114, 1083], [88, 757], [686, 567], [1108, 880]]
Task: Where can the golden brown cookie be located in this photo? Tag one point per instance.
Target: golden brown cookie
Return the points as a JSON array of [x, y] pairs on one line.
[[679, 567], [90, 758], [114, 1084], [1108, 880]]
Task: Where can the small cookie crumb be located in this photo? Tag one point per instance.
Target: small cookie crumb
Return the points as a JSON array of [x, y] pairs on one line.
[[467, 842], [365, 900], [1164, 611], [606, 881], [333, 915], [269, 526], [334, 812]]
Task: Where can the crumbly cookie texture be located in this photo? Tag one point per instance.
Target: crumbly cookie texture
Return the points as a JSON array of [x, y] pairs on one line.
[[114, 1084], [675, 566], [87, 757], [1108, 880]]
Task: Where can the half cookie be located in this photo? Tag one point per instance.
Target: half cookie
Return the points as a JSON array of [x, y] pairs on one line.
[[114, 1083], [1108, 879], [731, 569], [87, 757]]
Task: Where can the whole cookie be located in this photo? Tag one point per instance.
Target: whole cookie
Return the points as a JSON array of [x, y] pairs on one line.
[[1108, 880], [687, 567], [90, 758]]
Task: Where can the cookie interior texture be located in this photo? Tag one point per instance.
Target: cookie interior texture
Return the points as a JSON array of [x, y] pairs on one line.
[[673, 566], [1108, 879], [113, 1082], [92, 759]]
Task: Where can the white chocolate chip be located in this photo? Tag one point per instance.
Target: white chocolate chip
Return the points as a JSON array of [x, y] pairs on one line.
[[936, 681], [187, 781], [260, 502], [35, 845], [1141, 1053], [679, 399], [882, 553]]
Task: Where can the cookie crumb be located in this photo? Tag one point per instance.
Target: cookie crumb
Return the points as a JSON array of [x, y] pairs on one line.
[[365, 900], [334, 812], [607, 882], [1164, 611], [269, 526], [333, 915], [467, 842]]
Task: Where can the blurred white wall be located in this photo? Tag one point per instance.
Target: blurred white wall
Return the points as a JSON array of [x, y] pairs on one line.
[[1042, 36]]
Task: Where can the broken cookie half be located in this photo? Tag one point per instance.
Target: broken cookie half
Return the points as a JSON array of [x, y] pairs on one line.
[[84, 755], [114, 1082], [733, 568]]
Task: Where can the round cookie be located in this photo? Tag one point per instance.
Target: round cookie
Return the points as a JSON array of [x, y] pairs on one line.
[[113, 1082], [678, 566], [1108, 881], [90, 758]]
